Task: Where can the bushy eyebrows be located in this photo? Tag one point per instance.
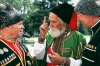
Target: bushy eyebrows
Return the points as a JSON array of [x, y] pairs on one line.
[[54, 20]]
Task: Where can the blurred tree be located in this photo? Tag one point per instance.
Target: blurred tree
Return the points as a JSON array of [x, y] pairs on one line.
[[25, 7], [43, 7], [83, 30], [33, 12]]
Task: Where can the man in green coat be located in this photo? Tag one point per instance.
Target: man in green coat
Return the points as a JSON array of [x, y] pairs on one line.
[[59, 43]]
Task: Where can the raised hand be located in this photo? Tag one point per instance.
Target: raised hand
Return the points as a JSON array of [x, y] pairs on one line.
[[43, 28]]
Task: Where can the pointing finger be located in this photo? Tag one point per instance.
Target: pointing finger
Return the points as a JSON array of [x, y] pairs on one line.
[[44, 19]]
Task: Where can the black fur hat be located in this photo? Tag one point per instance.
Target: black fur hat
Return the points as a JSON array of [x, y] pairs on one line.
[[63, 11], [8, 15]]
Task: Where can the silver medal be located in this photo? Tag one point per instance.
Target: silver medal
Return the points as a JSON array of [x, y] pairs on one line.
[[5, 49], [1, 51]]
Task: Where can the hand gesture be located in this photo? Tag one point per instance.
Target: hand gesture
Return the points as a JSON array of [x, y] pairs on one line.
[[56, 58], [43, 28]]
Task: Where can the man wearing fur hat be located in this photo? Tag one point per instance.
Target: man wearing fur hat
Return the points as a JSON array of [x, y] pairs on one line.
[[11, 27], [88, 13], [59, 44]]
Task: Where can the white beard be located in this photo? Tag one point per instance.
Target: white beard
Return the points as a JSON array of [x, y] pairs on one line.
[[56, 32]]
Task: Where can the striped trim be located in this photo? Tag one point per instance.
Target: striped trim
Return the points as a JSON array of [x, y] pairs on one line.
[[88, 59], [89, 49]]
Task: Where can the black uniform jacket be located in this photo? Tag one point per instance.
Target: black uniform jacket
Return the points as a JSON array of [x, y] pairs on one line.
[[9, 58]]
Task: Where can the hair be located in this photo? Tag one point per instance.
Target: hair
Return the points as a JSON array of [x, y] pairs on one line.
[[8, 15], [61, 20]]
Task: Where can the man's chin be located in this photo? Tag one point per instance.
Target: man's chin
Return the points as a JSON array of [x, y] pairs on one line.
[[20, 35], [55, 35]]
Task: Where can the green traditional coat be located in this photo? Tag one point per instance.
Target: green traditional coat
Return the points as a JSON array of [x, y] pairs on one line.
[[72, 46]]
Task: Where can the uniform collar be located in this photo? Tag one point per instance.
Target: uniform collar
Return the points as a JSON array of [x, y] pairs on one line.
[[9, 40], [95, 27]]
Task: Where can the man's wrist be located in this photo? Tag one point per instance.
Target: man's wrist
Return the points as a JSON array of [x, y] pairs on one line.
[[66, 61], [41, 39]]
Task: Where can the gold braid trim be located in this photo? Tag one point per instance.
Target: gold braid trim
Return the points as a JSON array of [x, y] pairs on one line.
[[91, 46], [79, 51], [18, 64]]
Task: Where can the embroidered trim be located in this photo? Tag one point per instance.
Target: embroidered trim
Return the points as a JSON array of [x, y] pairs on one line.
[[79, 51], [69, 50], [91, 46]]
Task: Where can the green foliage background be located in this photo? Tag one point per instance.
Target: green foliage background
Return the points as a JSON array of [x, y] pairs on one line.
[[33, 13]]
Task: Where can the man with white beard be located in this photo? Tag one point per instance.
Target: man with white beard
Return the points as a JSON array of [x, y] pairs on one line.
[[59, 44], [56, 32]]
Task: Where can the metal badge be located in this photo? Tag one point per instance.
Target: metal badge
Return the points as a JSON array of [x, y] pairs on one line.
[[1, 63], [8, 59], [12, 55], [5, 49], [5, 60], [28, 62], [1, 51]]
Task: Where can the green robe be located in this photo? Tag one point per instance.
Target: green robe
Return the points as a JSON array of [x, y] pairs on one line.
[[72, 46]]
